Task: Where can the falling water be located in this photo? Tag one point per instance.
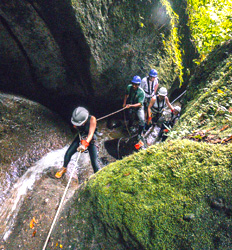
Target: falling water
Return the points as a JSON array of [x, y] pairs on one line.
[[10, 207]]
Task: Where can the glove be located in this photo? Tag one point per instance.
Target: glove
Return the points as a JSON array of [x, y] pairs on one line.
[[84, 145], [165, 130], [149, 120]]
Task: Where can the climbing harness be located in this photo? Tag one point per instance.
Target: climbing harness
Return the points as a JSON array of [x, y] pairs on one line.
[[61, 202], [111, 114]]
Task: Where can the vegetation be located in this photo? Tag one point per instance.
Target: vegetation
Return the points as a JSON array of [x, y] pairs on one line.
[[208, 103], [210, 23], [172, 196]]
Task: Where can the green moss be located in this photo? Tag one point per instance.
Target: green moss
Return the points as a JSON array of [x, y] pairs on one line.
[[209, 97], [143, 199]]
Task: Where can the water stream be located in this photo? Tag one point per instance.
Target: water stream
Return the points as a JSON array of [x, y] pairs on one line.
[[11, 205]]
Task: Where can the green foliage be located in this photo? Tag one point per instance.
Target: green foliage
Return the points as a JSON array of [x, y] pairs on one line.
[[160, 198], [210, 23], [172, 44], [209, 98]]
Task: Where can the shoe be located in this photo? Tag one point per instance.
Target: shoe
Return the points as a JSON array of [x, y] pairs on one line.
[[60, 173]]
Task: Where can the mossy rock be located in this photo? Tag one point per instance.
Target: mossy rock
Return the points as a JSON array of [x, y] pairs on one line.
[[161, 198]]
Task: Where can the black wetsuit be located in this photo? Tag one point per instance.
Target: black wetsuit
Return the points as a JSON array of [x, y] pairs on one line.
[[92, 148]]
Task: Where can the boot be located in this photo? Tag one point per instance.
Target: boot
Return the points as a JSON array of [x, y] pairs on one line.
[[60, 173]]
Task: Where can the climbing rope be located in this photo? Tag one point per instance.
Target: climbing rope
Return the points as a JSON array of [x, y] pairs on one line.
[[111, 114], [61, 202]]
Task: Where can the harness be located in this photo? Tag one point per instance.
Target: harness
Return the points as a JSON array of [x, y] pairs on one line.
[[84, 130], [160, 107], [150, 90]]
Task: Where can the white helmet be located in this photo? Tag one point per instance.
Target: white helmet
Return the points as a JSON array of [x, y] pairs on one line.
[[79, 116], [177, 108], [163, 91]]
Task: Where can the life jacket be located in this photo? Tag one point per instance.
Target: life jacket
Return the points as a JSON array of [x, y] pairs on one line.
[[158, 105]]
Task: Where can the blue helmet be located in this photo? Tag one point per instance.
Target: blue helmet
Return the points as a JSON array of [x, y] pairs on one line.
[[136, 80], [153, 73]]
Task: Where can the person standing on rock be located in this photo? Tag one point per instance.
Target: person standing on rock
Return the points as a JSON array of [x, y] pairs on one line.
[[157, 104], [133, 100], [86, 125], [150, 85]]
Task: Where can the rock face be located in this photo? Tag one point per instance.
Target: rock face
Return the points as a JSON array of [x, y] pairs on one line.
[[28, 131], [65, 53], [42, 53]]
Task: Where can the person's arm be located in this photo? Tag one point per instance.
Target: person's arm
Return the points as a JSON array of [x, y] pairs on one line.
[[92, 127], [136, 105], [168, 103], [124, 102], [149, 109], [156, 87], [85, 143]]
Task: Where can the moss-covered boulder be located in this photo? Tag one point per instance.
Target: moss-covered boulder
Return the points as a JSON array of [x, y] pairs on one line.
[[175, 195]]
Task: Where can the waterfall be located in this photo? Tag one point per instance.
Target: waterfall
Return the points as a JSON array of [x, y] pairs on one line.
[[11, 205]]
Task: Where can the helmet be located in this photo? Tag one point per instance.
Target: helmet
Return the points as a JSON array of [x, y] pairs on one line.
[[177, 108], [136, 80], [153, 73], [79, 116], [163, 91]]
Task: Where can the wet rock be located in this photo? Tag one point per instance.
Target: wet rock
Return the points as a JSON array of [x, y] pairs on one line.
[[113, 123]]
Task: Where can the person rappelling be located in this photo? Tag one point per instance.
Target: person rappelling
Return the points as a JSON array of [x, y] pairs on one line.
[[157, 105], [86, 139], [133, 100]]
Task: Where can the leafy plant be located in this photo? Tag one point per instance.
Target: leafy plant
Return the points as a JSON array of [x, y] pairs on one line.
[[210, 23]]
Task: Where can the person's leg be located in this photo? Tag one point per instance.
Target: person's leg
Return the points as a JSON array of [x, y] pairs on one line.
[[140, 114], [130, 117], [69, 153], [94, 157]]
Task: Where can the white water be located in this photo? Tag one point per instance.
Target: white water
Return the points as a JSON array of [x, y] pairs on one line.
[[10, 207]]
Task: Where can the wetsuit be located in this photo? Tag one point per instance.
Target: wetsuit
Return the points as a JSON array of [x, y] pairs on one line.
[[92, 148]]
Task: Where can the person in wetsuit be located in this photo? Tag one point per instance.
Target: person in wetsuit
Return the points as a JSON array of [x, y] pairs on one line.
[[85, 139]]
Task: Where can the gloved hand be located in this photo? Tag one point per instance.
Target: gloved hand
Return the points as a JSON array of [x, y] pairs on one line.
[[84, 145], [149, 120], [166, 130]]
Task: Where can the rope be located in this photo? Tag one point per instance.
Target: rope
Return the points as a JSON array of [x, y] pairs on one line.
[[61, 202], [175, 99], [124, 115], [111, 114], [178, 97]]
